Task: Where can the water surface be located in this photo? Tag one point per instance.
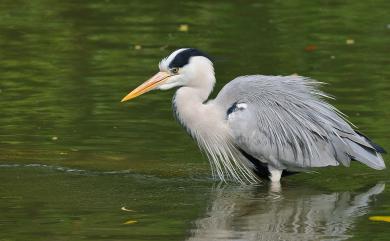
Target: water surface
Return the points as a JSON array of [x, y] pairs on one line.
[[72, 155]]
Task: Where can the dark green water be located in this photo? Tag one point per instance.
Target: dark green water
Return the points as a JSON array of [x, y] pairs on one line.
[[72, 155]]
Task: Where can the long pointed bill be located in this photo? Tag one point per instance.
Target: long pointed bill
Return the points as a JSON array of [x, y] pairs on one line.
[[148, 85]]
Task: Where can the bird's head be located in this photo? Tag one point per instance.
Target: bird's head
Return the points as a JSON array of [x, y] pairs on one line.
[[183, 67]]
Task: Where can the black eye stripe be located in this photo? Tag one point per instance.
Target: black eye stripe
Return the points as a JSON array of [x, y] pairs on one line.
[[183, 57]]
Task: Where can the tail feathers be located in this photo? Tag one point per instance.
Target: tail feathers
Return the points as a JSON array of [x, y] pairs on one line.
[[342, 151], [377, 147], [366, 155]]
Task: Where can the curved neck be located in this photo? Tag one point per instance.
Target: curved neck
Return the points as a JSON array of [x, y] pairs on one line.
[[201, 79], [198, 117], [189, 106]]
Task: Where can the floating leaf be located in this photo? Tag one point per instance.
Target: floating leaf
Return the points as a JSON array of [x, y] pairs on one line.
[[380, 218], [183, 28], [350, 41], [127, 210], [130, 222]]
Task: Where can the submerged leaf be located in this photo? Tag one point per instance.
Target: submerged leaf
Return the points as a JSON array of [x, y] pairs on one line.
[[183, 28], [130, 222], [310, 47]]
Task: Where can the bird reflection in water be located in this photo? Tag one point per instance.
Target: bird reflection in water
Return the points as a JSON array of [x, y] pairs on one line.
[[260, 213]]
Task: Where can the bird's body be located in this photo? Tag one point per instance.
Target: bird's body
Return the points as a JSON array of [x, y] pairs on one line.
[[259, 126]]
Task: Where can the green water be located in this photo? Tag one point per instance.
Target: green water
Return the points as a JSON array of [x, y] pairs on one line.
[[72, 155]]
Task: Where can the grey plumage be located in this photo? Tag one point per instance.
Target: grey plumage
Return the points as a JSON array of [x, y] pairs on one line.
[[259, 126], [288, 124]]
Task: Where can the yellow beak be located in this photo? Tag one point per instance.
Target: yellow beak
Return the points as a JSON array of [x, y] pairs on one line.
[[148, 85]]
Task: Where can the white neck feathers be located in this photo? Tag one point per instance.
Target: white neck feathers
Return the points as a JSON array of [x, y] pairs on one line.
[[206, 123]]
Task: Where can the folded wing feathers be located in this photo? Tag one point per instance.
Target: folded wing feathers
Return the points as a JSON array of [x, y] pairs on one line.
[[293, 114]]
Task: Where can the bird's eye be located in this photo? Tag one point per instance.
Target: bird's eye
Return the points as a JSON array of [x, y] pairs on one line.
[[174, 70]]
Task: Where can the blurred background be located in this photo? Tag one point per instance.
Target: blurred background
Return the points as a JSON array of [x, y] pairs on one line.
[[72, 155]]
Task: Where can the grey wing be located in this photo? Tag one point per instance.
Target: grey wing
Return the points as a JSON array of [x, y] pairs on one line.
[[285, 122]]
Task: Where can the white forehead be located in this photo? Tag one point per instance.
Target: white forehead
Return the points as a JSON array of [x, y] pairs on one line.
[[163, 65]]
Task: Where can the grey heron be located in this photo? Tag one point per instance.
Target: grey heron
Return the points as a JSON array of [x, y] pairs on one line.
[[259, 126]]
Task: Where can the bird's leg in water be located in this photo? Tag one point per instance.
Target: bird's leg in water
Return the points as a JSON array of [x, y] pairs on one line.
[[275, 187], [275, 174]]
